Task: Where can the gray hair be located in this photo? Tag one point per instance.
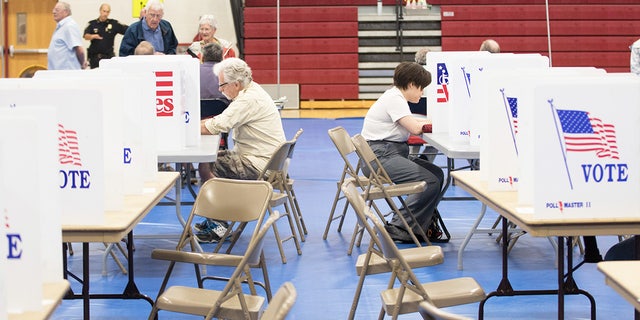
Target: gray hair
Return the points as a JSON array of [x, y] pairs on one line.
[[490, 45], [234, 70], [421, 56], [208, 19], [212, 52], [66, 6], [155, 5]]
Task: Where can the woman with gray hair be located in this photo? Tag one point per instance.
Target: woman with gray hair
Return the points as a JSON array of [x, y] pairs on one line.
[[207, 27], [256, 130]]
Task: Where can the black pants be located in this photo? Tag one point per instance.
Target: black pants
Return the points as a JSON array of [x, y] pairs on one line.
[[94, 59]]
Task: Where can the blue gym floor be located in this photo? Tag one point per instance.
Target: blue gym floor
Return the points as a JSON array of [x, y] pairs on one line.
[[324, 275]]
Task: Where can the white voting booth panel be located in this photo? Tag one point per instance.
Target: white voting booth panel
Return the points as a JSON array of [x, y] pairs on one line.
[[85, 188], [507, 93], [476, 117], [141, 98], [124, 123], [585, 148], [27, 157], [443, 66], [176, 86]]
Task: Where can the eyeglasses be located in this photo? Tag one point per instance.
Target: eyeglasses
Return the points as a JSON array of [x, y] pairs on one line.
[[222, 85], [154, 15]]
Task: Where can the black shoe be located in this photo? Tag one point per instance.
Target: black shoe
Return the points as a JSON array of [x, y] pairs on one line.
[[398, 234]]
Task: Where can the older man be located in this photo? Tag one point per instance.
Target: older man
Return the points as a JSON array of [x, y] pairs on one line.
[[257, 131], [151, 28], [102, 33], [65, 49]]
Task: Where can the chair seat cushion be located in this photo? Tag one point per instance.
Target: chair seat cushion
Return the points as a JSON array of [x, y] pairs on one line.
[[416, 257], [444, 293], [199, 301], [397, 190]]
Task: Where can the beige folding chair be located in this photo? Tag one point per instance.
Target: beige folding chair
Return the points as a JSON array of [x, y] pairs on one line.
[[274, 173], [293, 199], [281, 303], [373, 261], [341, 139], [407, 297], [237, 201], [381, 187], [229, 303], [430, 312]]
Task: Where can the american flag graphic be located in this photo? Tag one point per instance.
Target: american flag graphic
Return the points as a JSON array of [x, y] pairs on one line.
[[442, 81], [584, 133], [513, 115], [164, 89], [68, 150]]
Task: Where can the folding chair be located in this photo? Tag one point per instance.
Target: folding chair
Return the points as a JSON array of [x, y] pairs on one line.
[[381, 187], [275, 173], [373, 261], [293, 199], [281, 303], [229, 303], [430, 312], [407, 297], [341, 139], [240, 201]]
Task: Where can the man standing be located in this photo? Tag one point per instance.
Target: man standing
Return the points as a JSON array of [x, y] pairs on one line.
[[65, 49], [151, 28], [256, 129], [101, 32]]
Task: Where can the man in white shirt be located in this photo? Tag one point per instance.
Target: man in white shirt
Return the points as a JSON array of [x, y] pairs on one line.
[[256, 127]]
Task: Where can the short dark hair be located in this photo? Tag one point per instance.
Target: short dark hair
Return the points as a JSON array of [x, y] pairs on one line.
[[407, 73], [212, 52]]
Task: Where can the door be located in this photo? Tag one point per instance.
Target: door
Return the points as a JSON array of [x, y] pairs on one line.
[[27, 33]]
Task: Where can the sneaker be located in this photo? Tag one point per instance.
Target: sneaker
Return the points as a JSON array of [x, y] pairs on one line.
[[213, 234], [204, 225]]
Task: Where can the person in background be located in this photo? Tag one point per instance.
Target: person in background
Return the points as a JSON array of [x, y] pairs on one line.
[[145, 48], [65, 49], [634, 62], [151, 28], [207, 27], [256, 132], [211, 55], [421, 56], [102, 32], [490, 45], [387, 126]]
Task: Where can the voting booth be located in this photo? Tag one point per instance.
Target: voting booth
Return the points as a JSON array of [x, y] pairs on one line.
[[585, 150], [30, 206], [176, 86], [449, 79], [88, 181], [124, 123], [507, 92]]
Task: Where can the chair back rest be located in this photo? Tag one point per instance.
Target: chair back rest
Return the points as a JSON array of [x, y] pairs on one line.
[[281, 303], [428, 311], [350, 190], [341, 139], [251, 257], [291, 148], [277, 161], [233, 200], [377, 174]]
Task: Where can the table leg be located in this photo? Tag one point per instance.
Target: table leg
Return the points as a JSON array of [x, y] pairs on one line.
[[85, 280]]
